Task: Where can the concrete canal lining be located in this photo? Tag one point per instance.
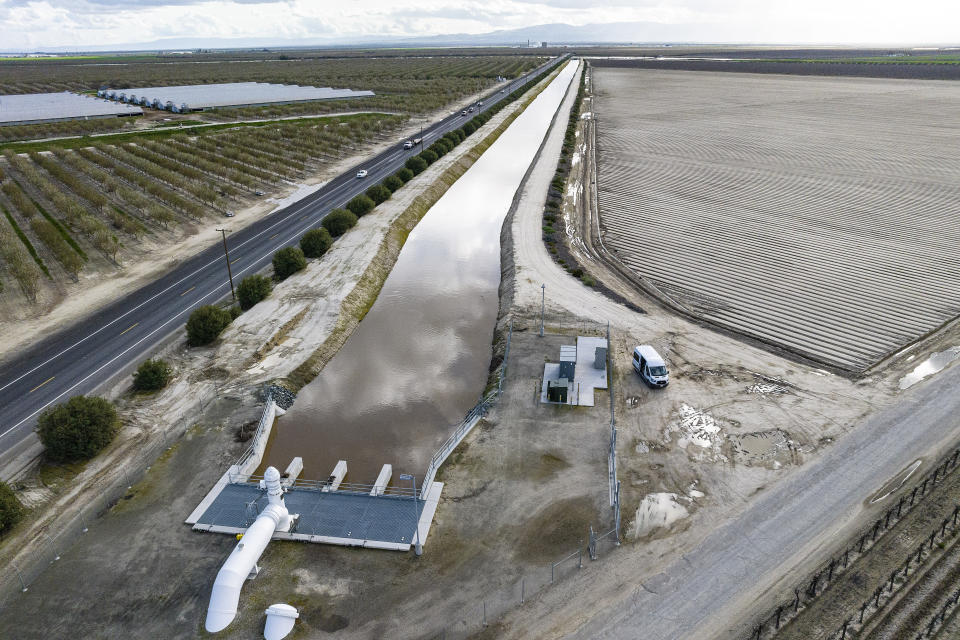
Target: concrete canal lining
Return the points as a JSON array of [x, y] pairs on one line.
[[419, 359]]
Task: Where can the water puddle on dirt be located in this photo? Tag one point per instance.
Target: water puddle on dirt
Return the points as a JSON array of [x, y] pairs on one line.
[[935, 363], [762, 448], [419, 359]]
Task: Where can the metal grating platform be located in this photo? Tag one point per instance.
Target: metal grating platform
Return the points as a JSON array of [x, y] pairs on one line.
[[337, 515]]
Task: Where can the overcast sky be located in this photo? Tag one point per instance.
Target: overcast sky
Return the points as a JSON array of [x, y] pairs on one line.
[[31, 24]]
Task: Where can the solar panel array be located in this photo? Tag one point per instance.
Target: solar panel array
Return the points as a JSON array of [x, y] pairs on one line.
[[48, 107], [232, 94]]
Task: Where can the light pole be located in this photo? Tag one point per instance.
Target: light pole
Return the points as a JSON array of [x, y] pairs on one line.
[[416, 510], [224, 232], [543, 301]]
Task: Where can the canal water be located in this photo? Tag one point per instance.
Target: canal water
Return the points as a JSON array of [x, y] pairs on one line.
[[419, 359]]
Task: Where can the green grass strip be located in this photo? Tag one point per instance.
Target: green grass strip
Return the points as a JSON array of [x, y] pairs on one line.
[[26, 241], [59, 227], [162, 132]]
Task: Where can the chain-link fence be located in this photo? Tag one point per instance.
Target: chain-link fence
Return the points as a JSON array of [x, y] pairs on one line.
[[595, 545], [67, 527], [515, 593]]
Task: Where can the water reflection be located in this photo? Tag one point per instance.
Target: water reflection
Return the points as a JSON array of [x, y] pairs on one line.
[[419, 360]]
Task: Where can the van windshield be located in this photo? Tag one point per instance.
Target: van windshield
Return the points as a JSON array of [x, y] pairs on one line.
[[658, 371]]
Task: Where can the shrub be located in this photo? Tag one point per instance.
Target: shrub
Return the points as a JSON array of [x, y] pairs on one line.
[[77, 429], [235, 312], [152, 375], [11, 511], [253, 289], [379, 193], [468, 128], [405, 175], [393, 183], [360, 205], [315, 243], [416, 164], [288, 261], [429, 156], [339, 221], [205, 324]]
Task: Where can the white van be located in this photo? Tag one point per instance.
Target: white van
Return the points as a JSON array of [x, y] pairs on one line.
[[650, 366]]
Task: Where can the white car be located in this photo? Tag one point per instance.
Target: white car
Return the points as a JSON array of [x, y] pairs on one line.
[[408, 144], [362, 173]]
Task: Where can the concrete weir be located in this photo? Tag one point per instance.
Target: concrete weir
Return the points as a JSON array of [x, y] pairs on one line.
[[328, 511]]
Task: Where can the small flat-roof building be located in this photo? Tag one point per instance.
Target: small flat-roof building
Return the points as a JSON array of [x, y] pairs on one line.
[[199, 97], [35, 108], [581, 370]]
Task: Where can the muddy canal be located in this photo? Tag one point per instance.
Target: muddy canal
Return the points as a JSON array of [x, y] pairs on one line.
[[418, 361]]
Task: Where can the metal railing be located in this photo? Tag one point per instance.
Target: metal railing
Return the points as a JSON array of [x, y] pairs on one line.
[[343, 487], [468, 423], [259, 440]]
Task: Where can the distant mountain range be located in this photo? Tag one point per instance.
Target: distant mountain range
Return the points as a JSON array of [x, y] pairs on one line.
[[552, 34]]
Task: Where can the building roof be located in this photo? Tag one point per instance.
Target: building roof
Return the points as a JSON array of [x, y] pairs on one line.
[[205, 96], [37, 107]]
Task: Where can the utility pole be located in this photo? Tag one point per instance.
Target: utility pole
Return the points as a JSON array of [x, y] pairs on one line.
[[543, 300], [224, 232]]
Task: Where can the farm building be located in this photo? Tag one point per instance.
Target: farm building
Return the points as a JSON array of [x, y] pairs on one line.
[[200, 97], [33, 108]]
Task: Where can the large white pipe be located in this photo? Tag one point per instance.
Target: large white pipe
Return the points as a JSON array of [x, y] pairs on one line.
[[225, 596]]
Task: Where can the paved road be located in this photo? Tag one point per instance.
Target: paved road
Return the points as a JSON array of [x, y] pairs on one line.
[[714, 591], [79, 358]]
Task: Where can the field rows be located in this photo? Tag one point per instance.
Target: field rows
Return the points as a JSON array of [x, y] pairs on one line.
[[66, 210], [402, 85], [814, 213]]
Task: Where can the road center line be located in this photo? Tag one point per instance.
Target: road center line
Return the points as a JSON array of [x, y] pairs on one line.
[[188, 291], [41, 384], [128, 328]]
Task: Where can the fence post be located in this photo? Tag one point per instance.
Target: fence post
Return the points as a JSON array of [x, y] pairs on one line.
[[484, 613], [84, 522], [23, 585], [522, 589]]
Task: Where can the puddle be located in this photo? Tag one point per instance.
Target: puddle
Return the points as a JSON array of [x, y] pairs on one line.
[[935, 363], [763, 448], [419, 359], [894, 483]]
